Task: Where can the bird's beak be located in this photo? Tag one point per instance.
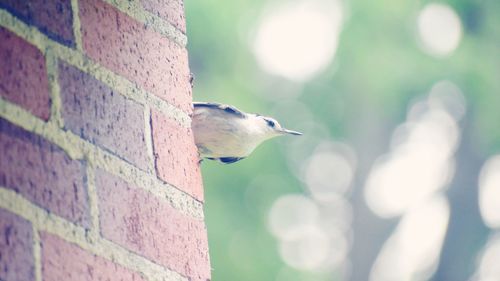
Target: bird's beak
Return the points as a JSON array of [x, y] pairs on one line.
[[290, 132]]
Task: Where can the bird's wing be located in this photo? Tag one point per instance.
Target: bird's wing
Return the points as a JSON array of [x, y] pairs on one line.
[[224, 107]]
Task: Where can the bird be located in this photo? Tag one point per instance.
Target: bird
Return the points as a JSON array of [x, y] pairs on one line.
[[226, 134]]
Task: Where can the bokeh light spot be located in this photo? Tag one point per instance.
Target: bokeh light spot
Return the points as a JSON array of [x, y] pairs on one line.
[[447, 95], [439, 28], [291, 214], [489, 192], [414, 248], [329, 170], [488, 268], [297, 40], [420, 162], [307, 251]]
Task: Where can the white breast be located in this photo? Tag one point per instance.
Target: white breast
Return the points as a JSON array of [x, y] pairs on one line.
[[221, 134]]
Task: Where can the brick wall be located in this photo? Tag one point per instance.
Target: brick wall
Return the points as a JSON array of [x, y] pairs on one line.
[[99, 176]]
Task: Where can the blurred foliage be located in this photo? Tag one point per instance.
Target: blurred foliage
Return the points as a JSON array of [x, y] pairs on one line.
[[379, 66]]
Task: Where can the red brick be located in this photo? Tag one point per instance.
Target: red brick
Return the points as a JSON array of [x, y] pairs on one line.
[[170, 10], [54, 18], [65, 261], [16, 248], [136, 52], [102, 116], [23, 76], [176, 156], [43, 173], [139, 221]]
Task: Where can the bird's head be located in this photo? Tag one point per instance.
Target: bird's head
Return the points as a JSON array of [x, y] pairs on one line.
[[271, 127]]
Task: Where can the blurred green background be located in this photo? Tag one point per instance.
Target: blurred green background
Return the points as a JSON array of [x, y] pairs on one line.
[[396, 176]]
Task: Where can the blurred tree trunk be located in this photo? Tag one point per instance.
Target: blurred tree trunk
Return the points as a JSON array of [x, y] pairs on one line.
[[370, 135], [466, 233]]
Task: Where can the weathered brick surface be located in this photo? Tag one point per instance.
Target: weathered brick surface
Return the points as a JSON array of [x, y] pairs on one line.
[[42, 173], [54, 18], [102, 116], [16, 248], [62, 260], [23, 76], [170, 10], [176, 156], [139, 221], [136, 52]]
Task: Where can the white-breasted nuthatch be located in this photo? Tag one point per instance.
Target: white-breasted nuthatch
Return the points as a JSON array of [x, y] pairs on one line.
[[227, 134]]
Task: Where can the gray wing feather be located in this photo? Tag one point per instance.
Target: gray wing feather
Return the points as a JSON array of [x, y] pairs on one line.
[[224, 107]]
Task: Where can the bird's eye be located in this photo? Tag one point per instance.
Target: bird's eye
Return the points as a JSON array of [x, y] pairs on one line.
[[270, 123]]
